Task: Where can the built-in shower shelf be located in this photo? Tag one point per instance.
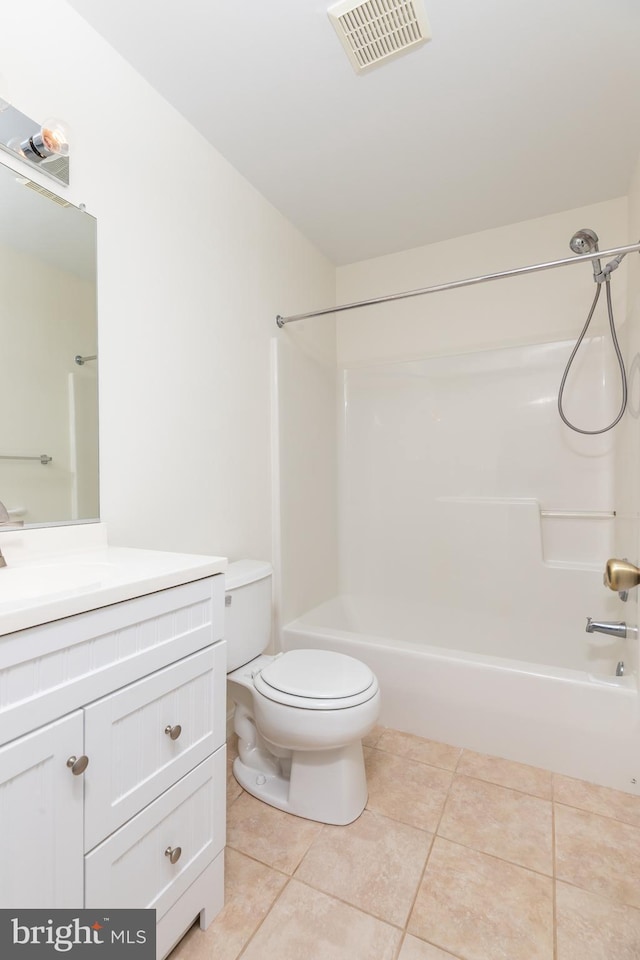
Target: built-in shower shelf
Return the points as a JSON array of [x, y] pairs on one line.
[[578, 538], [564, 539], [578, 514]]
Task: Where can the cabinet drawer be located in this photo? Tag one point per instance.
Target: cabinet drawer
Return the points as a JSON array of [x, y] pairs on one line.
[[55, 668], [128, 738], [131, 869]]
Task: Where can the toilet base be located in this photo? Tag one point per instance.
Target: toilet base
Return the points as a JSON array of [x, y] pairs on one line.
[[328, 786]]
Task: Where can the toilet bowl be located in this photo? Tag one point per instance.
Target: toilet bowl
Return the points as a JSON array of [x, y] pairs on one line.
[[300, 716]]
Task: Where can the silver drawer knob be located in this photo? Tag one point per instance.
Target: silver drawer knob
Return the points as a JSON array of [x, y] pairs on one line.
[[78, 765], [173, 853], [173, 732]]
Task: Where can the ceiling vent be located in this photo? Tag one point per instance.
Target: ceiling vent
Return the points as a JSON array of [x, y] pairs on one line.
[[377, 30]]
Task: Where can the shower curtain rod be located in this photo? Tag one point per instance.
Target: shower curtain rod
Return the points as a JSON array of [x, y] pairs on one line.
[[518, 271]]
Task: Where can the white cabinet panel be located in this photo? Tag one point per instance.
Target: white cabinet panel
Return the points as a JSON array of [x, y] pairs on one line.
[[138, 759], [49, 670], [131, 867], [41, 818]]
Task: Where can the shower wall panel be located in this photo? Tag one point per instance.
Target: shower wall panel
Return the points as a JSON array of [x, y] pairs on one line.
[[462, 493]]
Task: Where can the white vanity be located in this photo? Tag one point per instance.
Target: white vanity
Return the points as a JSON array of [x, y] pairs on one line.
[[112, 728]]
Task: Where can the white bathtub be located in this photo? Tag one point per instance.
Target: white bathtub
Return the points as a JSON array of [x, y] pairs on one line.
[[575, 722]]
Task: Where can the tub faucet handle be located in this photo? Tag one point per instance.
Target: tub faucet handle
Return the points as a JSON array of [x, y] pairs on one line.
[[620, 575]]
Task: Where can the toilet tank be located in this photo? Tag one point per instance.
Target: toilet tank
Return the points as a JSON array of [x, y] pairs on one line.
[[247, 611]]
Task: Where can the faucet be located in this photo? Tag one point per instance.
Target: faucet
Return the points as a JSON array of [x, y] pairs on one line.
[[620, 575], [613, 628], [7, 523]]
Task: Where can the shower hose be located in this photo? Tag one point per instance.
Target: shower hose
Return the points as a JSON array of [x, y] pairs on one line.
[[616, 347]]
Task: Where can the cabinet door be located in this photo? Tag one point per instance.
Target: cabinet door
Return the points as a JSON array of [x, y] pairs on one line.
[[148, 735], [41, 818]]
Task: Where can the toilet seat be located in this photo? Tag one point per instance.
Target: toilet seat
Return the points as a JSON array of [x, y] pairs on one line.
[[316, 680]]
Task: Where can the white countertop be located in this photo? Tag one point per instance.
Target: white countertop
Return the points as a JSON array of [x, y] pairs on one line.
[[61, 571]]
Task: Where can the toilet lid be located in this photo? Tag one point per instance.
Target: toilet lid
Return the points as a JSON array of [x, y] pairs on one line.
[[317, 679]]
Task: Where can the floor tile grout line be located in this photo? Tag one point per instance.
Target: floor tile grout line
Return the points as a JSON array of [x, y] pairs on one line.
[[262, 863], [398, 950], [471, 776], [348, 903], [503, 858], [494, 856], [260, 925], [428, 857], [424, 763], [505, 786], [378, 816], [430, 943], [551, 798], [594, 813], [614, 901]]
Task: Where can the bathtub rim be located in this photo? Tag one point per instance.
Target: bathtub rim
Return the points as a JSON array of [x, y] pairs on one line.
[[626, 683]]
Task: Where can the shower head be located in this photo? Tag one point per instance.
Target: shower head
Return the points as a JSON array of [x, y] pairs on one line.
[[586, 241]]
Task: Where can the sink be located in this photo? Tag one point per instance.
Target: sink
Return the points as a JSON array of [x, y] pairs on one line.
[[59, 572], [31, 581]]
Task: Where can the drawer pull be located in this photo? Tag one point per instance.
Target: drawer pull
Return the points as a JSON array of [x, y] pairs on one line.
[[78, 765], [173, 732], [173, 853]]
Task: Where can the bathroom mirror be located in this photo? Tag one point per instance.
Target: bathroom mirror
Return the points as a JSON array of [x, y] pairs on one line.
[[48, 318]]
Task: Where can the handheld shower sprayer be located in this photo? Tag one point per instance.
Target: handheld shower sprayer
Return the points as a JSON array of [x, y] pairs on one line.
[[584, 242]]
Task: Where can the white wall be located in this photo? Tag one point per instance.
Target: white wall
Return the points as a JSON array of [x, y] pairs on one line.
[[306, 427], [193, 267]]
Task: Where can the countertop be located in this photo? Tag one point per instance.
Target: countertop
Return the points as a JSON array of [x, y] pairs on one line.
[[53, 573]]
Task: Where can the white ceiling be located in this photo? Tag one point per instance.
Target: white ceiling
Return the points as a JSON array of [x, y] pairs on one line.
[[516, 109]]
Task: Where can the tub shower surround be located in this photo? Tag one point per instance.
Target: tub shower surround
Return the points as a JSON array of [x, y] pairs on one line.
[[474, 529]]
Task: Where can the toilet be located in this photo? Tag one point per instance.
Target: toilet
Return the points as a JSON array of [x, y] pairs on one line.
[[300, 716]]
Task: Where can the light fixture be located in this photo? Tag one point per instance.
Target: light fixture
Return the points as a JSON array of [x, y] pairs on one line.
[[45, 146], [51, 140]]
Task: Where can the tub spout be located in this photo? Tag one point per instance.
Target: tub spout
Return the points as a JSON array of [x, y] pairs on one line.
[[613, 628]]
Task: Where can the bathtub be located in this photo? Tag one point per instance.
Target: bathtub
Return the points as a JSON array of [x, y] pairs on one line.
[[583, 723]]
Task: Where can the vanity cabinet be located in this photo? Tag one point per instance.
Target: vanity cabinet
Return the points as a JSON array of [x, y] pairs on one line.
[[139, 688]]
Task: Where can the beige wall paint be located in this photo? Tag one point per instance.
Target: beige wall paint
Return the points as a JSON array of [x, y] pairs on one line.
[[551, 305]]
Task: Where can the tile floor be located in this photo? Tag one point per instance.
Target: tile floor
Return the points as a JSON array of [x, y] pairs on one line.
[[457, 856]]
